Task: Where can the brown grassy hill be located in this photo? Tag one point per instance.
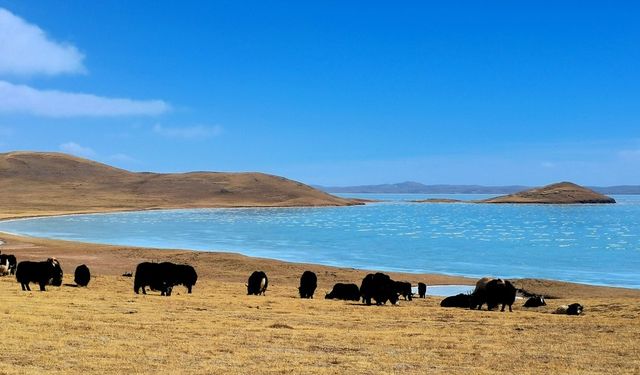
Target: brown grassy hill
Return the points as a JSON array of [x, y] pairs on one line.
[[34, 183], [560, 193]]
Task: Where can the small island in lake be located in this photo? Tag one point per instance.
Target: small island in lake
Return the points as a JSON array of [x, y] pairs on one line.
[[559, 193]]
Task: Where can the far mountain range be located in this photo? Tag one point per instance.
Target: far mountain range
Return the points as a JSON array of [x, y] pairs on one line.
[[411, 187]]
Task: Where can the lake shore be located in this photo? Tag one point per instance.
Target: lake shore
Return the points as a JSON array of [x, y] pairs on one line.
[[224, 266], [217, 328]]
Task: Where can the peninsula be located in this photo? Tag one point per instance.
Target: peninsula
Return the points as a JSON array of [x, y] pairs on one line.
[[42, 183]]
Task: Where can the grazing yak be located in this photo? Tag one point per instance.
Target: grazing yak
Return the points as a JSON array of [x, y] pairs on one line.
[[422, 290], [8, 264], [380, 287], [82, 275], [459, 300], [183, 274], [495, 292], [347, 292], [573, 309], [163, 277], [257, 284], [152, 275], [536, 301], [308, 284], [403, 288], [44, 273]]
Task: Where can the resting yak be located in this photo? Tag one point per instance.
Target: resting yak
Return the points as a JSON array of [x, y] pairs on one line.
[[82, 275], [163, 277], [536, 301], [44, 273], [459, 300], [308, 284], [379, 287], [258, 283], [572, 309], [495, 292], [347, 292]]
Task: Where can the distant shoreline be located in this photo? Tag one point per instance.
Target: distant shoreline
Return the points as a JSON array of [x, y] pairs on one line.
[[453, 275]]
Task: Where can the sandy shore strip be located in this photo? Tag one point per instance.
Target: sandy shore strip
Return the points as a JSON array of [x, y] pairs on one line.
[[232, 267]]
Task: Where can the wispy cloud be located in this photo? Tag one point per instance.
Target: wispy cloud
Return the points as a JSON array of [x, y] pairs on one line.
[[25, 49], [52, 103], [629, 154], [188, 132], [78, 150]]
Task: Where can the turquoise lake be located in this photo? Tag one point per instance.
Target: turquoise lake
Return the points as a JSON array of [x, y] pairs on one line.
[[594, 244]]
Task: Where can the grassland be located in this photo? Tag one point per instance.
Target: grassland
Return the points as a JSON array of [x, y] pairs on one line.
[[106, 328]]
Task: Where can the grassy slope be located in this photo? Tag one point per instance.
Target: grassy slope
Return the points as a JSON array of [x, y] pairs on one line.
[[560, 193], [218, 329], [52, 183]]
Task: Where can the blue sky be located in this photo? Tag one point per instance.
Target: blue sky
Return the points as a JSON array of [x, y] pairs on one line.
[[330, 93]]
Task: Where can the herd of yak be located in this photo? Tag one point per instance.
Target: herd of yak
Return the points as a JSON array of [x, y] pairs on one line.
[[378, 287]]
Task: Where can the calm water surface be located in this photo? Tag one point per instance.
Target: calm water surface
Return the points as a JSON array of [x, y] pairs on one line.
[[595, 244]]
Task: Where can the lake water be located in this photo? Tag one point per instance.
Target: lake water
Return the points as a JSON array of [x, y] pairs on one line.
[[594, 244]]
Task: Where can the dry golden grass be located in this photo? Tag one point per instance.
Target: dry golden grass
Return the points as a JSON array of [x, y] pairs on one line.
[[39, 183], [106, 328]]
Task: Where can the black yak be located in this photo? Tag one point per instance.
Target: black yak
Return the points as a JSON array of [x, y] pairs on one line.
[[157, 276], [536, 301], [308, 284], [459, 300], [258, 283], [44, 273], [379, 287], [422, 290], [347, 292], [183, 274], [573, 309], [403, 288], [82, 275], [8, 264], [496, 292], [4, 265]]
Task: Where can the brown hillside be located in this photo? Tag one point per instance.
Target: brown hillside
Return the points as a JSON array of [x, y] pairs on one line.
[[560, 193], [34, 183]]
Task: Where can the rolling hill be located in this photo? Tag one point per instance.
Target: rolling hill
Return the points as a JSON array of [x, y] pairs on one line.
[[38, 183], [560, 193]]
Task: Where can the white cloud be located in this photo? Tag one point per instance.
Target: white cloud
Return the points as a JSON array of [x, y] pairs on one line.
[[25, 49], [78, 150], [547, 164], [188, 132], [52, 103]]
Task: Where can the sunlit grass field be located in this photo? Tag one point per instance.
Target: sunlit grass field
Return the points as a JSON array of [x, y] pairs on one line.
[[106, 328]]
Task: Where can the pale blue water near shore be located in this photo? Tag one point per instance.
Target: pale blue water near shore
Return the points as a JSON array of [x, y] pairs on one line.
[[594, 244]]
